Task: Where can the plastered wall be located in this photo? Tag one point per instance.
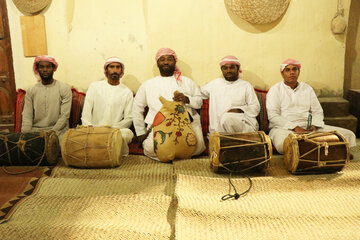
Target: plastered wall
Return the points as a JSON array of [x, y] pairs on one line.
[[81, 34]]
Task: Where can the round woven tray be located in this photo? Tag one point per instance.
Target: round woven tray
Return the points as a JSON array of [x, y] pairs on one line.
[[258, 11], [31, 6]]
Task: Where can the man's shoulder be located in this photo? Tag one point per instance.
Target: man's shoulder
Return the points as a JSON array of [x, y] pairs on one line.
[[305, 85], [215, 82], [97, 83], [125, 88], [62, 84], [244, 82], [186, 79], [276, 86]]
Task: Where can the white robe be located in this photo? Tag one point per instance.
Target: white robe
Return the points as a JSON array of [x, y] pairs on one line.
[[109, 105], [288, 108], [47, 107], [225, 95], [148, 95]]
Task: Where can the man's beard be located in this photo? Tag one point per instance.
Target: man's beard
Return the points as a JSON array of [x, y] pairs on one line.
[[115, 77], [232, 78], [46, 79], [167, 72]]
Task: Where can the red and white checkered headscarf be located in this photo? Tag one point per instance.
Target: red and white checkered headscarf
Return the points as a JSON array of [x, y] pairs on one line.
[[229, 59], [43, 58], [165, 52], [111, 60], [289, 62]]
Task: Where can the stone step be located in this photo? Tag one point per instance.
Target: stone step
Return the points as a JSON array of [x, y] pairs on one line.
[[334, 106], [348, 122]]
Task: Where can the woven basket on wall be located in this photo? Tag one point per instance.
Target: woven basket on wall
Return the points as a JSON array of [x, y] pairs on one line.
[[31, 6], [258, 11]]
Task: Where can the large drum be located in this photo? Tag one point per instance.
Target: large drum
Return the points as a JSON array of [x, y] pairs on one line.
[[29, 149], [92, 147], [313, 153], [240, 152]]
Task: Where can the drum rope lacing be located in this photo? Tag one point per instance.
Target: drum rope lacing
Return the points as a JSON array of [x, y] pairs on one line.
[[20, 144]]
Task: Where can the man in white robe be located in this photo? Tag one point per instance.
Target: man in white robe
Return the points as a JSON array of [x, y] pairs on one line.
[[109, 102], [233, 104], [47, 103], [165, 86], [289, 104]]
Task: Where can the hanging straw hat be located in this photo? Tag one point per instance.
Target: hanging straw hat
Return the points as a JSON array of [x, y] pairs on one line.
[[31, 6], [256, 11]]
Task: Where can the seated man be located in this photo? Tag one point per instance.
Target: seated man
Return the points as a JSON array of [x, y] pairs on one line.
[[233, 105], [109, 102], [47, 103], [165, 86], [289, 104]]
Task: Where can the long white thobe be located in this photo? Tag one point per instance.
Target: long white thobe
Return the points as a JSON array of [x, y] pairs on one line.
[[47, 107], [288, 108], [109, 105], [148, 95], [225, 95]]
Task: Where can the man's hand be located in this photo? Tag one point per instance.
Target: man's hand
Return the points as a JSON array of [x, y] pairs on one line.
[[180, 97], [236, 110], [312, 128], [298, 129]]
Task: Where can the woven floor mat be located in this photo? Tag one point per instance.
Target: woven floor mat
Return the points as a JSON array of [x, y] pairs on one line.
[[128, 202], [277, 207]]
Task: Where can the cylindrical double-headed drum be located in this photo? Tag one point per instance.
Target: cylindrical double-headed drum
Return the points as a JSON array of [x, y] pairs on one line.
[[240, 152], [314, 153], [29, 149], [92, 147]]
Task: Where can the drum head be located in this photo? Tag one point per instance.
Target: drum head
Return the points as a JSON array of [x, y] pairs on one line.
[[291, 152], [214, 150], [116, 146], [52, 148]]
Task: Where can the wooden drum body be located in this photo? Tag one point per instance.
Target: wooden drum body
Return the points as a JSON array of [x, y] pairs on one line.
[[313, 153], [29, 149], [92, 147], [240, 152]]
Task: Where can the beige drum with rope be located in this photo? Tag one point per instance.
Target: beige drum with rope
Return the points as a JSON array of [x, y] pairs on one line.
[[313, 153], [92, 147], [240, 152]]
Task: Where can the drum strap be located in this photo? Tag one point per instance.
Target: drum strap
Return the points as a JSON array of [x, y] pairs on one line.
[[236, 195], [21, 145]]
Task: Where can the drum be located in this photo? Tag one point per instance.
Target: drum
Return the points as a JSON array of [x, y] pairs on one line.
[[92, 147], [313, 153], [240, 152], [29, 149]]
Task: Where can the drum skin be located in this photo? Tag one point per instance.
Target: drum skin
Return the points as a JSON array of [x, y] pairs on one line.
[[314, 153], [240, 152], [92, 147], [28, 149]]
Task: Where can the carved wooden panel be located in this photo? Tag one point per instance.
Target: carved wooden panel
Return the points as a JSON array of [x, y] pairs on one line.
[[7, 81]]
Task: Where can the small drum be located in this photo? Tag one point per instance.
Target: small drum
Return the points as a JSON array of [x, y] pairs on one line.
[[29, 149], [92, 147], [313, 153], [240, 152]]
